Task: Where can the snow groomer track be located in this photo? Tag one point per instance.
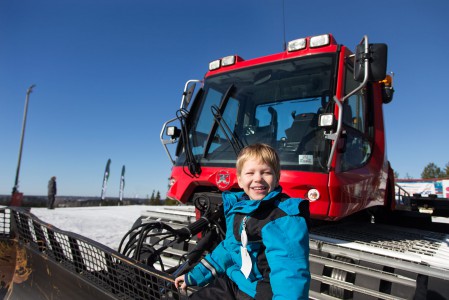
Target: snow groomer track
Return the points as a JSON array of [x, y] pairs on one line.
[[374, 261]]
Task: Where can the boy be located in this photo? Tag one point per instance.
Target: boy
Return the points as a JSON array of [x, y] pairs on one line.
[[265, 253]]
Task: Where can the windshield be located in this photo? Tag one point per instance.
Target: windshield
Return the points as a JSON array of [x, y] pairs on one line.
[[277, 104]]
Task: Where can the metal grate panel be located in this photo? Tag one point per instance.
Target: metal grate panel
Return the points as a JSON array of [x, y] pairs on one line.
[[105, 268], [5, 222]]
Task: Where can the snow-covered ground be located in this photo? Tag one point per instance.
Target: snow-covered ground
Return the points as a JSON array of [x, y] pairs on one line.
[[104, 224]]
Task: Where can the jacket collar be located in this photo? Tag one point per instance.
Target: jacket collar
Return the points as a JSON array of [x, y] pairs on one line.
[[240, 202]]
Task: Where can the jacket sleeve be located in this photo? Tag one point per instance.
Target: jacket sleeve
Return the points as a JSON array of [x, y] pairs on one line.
[[287, 250], [214, 264], [219, 260]]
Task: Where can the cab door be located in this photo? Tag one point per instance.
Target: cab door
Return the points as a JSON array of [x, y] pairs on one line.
[[357, 180]]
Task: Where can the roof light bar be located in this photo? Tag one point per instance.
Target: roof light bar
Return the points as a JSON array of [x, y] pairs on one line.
[[213, 65], [228, 60], [319, 40], [314, 42], [296, 45]]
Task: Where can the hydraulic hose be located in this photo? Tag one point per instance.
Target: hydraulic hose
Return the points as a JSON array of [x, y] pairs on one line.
[[199, 225]]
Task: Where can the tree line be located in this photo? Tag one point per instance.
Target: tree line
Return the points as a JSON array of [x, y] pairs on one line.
[[433, 171], [155, 199]]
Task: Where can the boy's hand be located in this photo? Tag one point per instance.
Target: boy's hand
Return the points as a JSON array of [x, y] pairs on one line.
[[180, 283]]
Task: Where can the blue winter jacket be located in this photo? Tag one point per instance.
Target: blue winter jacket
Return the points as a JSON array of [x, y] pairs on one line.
[[278, 244]]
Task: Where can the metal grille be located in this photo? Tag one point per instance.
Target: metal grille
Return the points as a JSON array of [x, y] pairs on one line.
[[419, 246], [5, 223], [385, 237], [103, 267]]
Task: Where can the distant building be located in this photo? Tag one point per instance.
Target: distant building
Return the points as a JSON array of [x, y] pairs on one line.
[[425, 187]]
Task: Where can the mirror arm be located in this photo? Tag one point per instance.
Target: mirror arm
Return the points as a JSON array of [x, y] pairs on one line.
[[170, 141]]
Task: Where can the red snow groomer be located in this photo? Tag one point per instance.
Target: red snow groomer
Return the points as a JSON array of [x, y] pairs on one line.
[[318, 104]]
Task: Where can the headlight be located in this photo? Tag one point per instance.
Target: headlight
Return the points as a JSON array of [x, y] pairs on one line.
[[326, 120], [313, 195]]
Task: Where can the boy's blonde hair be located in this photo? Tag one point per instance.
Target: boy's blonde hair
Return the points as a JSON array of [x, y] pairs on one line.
[[260, 152]]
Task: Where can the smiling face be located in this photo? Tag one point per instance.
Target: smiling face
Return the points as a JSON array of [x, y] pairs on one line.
[[257, 179]]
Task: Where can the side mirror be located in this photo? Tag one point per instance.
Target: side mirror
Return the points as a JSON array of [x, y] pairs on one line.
[[188, 93], [377, 62]]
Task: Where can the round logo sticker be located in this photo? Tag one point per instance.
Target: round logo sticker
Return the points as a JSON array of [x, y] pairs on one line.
[[223, 179]]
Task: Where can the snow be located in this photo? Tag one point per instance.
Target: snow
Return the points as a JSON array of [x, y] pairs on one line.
[[104, 224]]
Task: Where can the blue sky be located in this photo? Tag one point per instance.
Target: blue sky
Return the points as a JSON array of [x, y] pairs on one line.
[[109, 73]]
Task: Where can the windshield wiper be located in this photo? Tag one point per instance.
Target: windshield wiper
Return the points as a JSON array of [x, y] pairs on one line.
[[192, 165], [232, 137], [217, 112]]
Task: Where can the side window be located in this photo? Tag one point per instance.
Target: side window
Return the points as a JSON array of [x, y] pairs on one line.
[[355, 112], [356, 121]]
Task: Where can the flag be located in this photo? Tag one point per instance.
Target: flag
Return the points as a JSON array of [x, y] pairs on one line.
[[122, 183], [105, 179]]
